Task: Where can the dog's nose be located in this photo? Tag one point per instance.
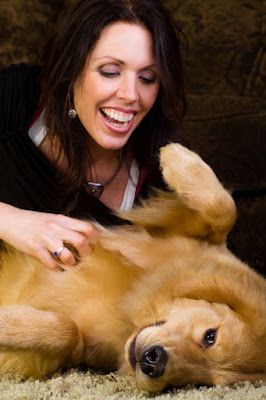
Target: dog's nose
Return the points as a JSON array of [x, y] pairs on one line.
[[153, 362]]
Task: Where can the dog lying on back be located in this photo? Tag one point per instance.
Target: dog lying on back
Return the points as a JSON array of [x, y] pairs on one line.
[[163, 298]]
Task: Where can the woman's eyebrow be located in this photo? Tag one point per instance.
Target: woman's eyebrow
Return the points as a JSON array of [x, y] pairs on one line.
[[121, 61], [109, 58]]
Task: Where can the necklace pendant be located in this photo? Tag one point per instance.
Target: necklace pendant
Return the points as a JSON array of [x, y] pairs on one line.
[[95, 188]]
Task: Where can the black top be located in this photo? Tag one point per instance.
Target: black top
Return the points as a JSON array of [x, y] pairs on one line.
[[27, 179]]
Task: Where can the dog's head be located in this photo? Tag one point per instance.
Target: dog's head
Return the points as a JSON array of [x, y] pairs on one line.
[[213, 332], [199, 343]]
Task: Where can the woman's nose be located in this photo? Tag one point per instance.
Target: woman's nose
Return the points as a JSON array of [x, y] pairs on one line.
[[127, 89]]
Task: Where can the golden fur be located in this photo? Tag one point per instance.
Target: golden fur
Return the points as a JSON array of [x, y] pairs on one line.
[[162, 298]]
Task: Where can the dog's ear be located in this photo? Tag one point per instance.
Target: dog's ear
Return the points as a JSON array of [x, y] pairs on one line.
[[253, 377], [235, 376], [244, 293]]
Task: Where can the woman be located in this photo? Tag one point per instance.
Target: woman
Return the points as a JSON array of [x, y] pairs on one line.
[[85, 141]]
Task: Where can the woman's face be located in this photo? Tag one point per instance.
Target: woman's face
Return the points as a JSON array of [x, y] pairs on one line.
[[118, 86]]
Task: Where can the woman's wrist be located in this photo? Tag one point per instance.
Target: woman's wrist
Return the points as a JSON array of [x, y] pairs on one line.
[[8, 214]]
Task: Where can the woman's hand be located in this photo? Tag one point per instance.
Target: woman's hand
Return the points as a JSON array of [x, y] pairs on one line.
[[42, 234]]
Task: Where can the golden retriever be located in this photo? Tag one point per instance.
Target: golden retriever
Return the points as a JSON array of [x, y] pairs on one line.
[[161, 298]]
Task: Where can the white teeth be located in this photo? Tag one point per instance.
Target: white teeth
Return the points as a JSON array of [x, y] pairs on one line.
[[118, 125], [118, 115]]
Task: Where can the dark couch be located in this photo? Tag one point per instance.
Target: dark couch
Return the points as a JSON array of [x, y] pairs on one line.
[[225, 79], [226, 120]]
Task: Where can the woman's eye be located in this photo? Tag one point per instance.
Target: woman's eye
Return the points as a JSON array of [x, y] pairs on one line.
[[108, 73], [209, 338], [148, 79]]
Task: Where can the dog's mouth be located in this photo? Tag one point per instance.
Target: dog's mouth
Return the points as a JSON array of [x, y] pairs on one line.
[[132, 354]]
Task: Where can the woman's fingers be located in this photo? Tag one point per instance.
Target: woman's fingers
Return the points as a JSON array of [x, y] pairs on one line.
[[48, 260], [43, 234], [67, 257], [84, 227], [77, 240], [59, 234]]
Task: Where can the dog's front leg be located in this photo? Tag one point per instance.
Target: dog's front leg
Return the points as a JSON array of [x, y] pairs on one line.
[[51, 336]]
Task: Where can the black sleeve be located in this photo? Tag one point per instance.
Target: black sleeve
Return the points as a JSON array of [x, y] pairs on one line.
[[19, 97]]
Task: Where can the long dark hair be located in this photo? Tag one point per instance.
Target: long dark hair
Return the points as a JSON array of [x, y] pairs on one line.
[[63, 60]]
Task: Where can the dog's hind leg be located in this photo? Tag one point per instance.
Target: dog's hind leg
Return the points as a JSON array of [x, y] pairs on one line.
[[199, 206], [41, 341], [199, 189]]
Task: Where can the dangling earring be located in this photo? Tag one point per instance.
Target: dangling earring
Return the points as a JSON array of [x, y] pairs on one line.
[[72, 113]]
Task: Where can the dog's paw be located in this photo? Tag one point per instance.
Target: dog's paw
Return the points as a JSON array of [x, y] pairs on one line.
[[184, 171]]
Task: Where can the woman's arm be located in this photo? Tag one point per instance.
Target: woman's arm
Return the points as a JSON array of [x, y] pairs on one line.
[[41, 234]]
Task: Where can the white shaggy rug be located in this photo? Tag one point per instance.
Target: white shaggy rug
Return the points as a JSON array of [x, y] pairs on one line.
[[76, 385]]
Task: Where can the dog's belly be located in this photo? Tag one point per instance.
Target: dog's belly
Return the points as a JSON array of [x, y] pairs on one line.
[[89, 296]]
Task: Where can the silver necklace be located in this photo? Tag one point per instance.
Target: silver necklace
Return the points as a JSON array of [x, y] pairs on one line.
[[97, 188]]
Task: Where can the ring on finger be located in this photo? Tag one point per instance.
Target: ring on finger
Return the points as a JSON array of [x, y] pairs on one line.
[[58, 251]]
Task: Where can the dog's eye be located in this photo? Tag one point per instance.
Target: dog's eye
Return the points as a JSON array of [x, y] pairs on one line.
[[209, 338], [157, 323]]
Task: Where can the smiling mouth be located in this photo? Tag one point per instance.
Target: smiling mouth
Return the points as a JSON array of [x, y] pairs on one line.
[[116, 118]]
